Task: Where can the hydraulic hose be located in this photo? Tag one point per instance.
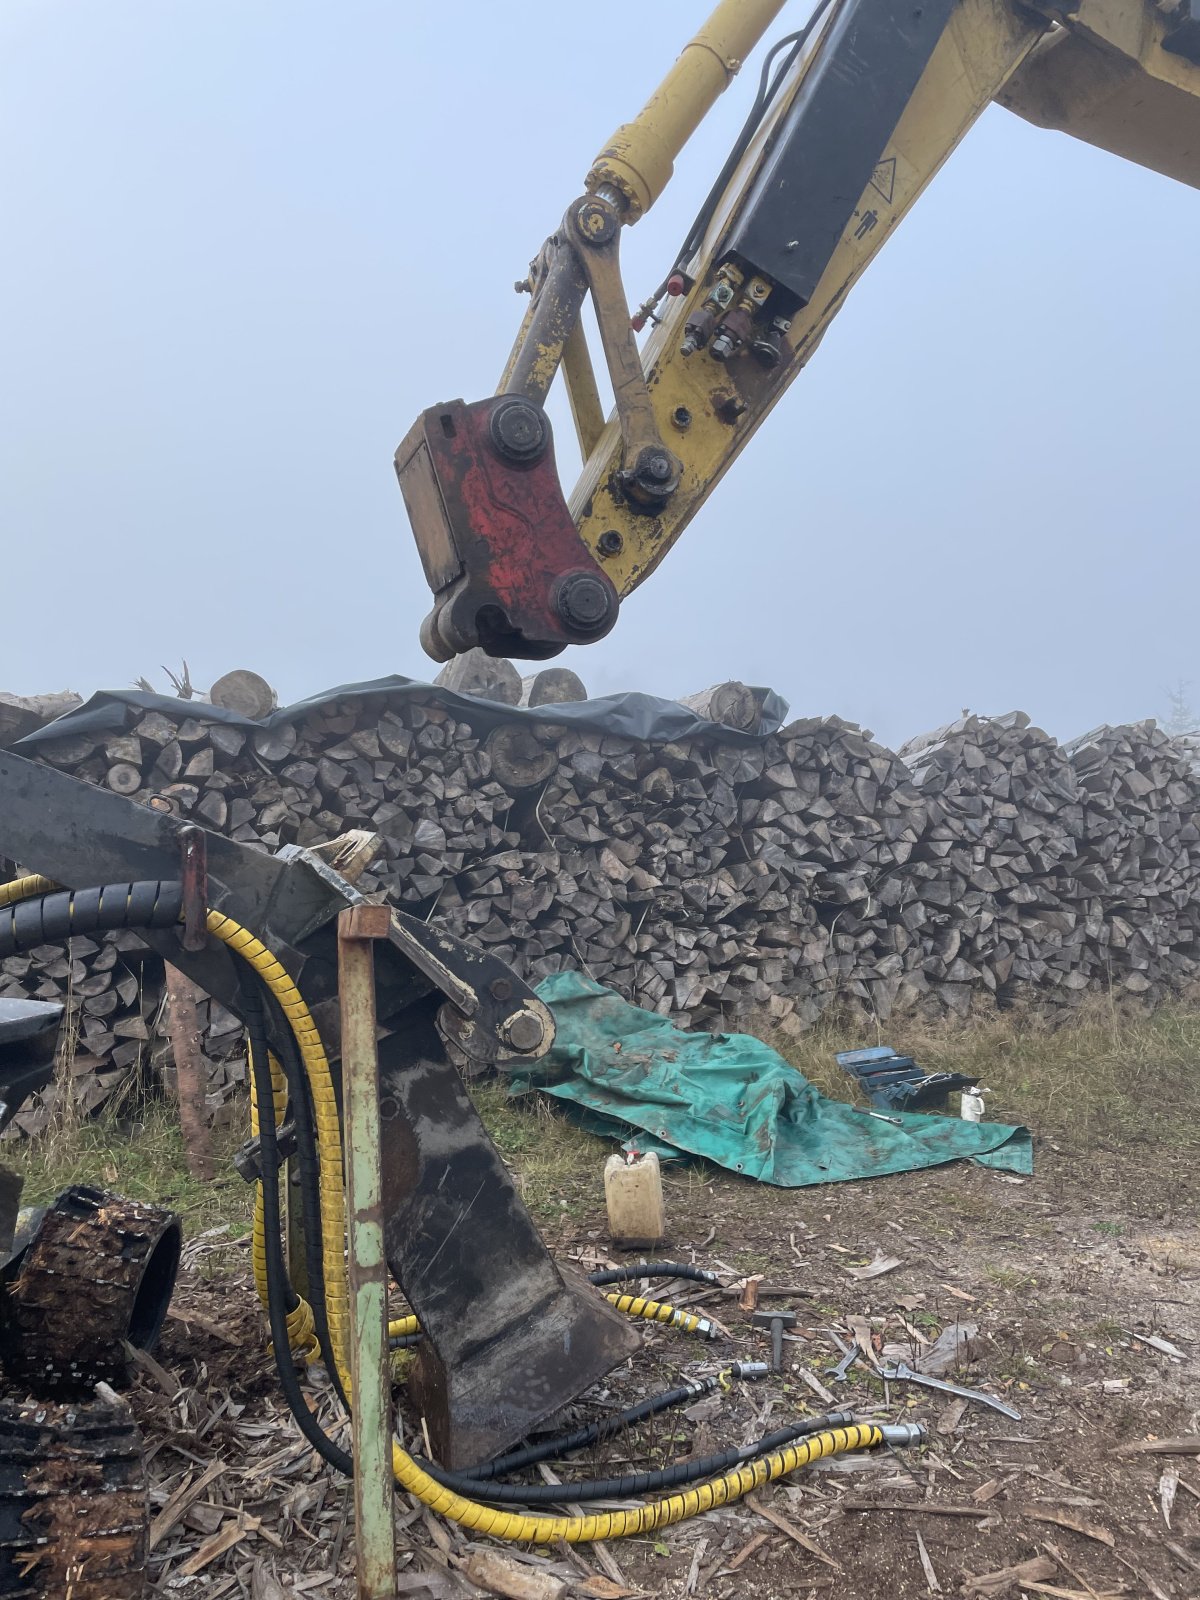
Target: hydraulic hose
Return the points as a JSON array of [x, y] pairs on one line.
[[328, 1128], [636, 1483], [725, 1490], [658, 1311], [653, 1269], [404, 1341], [45, 919], [307, 1160], [301, 1323], [278, 1290], [631, 1305], [564, 1444]]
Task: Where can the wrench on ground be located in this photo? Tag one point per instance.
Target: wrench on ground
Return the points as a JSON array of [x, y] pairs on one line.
[[901, 1373], [838, 1373]]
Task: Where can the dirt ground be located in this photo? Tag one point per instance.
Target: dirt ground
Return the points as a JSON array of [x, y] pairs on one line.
[[1066, 1275]]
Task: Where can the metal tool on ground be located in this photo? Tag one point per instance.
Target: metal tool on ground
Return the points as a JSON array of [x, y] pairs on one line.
[[900, 1372], [776, 1321], [841, 1371]]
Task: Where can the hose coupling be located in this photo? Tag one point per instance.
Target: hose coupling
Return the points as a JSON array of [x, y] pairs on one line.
[[750, 1369], [700, 1325], [904, 1433]]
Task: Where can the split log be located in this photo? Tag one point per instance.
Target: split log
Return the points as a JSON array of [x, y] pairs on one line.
[[552, 686], [486, 677], [21, 714], [732, 704], [244, 692]]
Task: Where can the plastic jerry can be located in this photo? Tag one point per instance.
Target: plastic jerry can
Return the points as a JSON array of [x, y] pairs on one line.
[[972, 1107], [634, 1197]]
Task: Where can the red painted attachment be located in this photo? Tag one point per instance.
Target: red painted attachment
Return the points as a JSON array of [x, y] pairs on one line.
[[507, 567], [676, 284]]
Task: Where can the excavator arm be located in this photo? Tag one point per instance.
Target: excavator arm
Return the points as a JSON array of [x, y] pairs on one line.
[[854, 115]]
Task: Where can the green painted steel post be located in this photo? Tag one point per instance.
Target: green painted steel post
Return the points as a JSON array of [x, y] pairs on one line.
[[375, 1538]]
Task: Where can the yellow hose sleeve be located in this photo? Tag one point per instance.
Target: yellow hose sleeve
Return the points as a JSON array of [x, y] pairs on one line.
[[722, 1491], [402, 1326], [302, 1332], [328, 1127], [656, 1311], [25, 889]]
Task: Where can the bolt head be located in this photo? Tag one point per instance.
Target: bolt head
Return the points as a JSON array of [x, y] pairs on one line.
[[519, 431], [522, 1031], [584, 602], [595, 222]]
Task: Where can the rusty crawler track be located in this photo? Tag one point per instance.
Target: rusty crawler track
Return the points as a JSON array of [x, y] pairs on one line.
[[98, 1272], [73, 1508]]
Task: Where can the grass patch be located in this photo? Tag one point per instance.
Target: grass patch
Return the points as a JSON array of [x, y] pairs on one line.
[[140, 1158], [557, 1164], [1119, 1077]]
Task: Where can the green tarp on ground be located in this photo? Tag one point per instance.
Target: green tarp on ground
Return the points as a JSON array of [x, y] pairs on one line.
[[733, 1100]]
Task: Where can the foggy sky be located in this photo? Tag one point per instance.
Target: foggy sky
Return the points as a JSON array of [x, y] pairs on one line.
[[246, 243]]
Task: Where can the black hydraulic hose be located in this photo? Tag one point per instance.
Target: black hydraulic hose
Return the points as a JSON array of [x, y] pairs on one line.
[[653, 1269], [51, 917], [310, 1190], [634, 1483], [767, 90], [280, 1298], [591, 1433]]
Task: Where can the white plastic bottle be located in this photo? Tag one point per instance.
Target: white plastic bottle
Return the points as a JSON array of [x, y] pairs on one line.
[[972, 1108]]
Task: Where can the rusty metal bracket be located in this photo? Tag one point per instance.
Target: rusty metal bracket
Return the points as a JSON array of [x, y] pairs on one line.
[[375, 1540], [193, 874]]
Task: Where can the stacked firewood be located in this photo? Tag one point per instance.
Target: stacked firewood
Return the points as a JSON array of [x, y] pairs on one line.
[[1139, 856], [712, 878], [992, 897]]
